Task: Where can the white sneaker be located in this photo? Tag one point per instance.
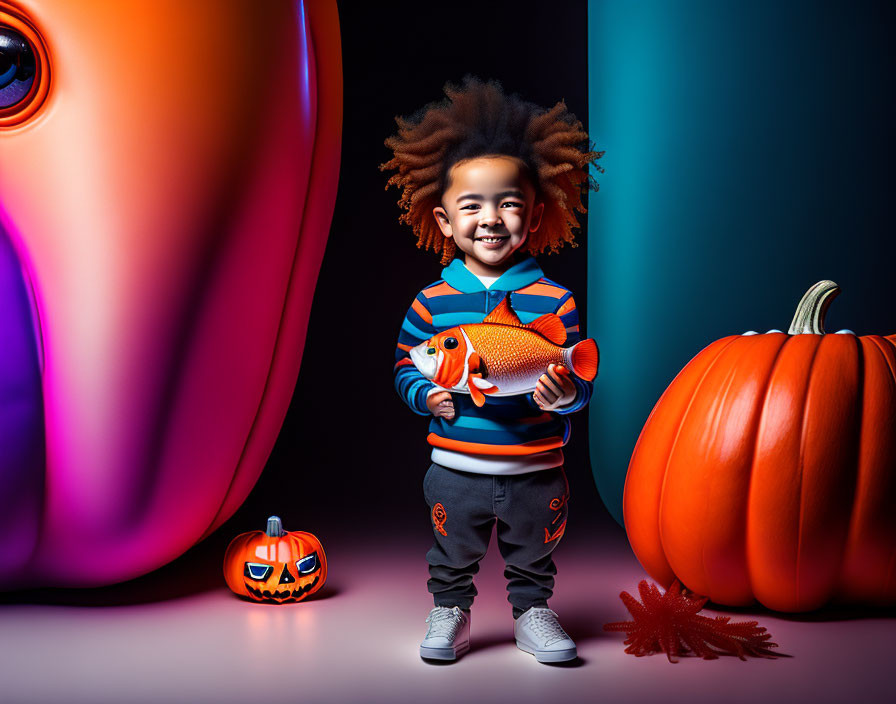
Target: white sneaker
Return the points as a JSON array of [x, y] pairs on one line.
[[448, 636], [538, 632]]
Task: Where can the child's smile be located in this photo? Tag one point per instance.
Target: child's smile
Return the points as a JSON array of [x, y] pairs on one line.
[[489, 209]]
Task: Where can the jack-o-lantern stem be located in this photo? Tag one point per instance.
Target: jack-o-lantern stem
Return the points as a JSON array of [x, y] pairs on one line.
[[809, 317], [275, 527]]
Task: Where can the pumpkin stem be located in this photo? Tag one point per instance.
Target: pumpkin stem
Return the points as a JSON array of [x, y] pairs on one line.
[[275, 527], [809, 317]]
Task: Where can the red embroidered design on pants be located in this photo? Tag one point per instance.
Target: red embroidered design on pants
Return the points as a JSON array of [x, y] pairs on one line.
[[556, 505], [548, 536], [439, 516]]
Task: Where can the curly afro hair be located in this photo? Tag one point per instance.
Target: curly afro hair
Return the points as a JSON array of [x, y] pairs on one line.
[[478, 119]]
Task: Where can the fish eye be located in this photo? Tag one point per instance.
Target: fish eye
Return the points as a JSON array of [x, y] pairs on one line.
[[430, 350], [24, 74], [450, 343]]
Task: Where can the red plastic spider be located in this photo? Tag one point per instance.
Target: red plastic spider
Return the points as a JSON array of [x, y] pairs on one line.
[[670, 622]]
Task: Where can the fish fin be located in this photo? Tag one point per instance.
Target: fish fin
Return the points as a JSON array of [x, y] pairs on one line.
[[479, 388], [503, 314], [476, 395], [550, 326], [485, 386], [584, 358]]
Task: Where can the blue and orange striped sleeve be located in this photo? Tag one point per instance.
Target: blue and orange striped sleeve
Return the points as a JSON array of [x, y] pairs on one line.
[[569, 314], [410, 384]]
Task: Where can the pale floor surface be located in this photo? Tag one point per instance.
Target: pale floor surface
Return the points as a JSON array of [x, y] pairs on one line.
[[359, 644]]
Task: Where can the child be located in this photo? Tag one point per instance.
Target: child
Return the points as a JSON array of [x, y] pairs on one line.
[[498, 179]]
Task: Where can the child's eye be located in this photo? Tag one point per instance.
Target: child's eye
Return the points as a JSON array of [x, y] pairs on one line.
[[470, 206], [511, 204]]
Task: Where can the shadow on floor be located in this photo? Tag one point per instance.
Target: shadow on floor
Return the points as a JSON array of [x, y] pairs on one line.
[[195, 572]]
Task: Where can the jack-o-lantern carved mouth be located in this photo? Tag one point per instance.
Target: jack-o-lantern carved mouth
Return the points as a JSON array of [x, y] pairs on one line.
[[285, 596]]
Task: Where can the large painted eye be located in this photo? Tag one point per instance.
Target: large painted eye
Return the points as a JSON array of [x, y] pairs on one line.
[[258, 570], [450, 343], [24, 68], [307, 564], [17, 67]]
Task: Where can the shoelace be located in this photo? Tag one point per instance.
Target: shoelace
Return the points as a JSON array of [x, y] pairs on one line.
[[444, 622], [543, 623]]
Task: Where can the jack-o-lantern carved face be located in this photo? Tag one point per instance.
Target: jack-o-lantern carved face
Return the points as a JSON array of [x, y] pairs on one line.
[[275, 565]]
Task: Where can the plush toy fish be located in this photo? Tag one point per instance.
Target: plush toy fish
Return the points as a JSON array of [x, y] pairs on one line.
[[500, 356]]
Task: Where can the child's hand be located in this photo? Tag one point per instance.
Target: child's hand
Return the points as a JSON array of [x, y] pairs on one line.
[[554, 389], [440, 405]]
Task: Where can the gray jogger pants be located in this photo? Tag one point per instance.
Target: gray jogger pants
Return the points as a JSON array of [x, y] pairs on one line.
[[530, 511]]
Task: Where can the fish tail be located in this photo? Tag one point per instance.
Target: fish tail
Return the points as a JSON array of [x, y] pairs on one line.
[[583, 359]]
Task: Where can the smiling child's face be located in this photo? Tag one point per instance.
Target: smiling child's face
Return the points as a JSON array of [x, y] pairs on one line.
[[489, 209]]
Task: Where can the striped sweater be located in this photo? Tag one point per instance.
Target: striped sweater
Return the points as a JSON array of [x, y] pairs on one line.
[[508, 435]]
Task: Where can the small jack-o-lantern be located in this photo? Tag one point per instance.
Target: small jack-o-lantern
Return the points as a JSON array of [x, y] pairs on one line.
[[275, 565]]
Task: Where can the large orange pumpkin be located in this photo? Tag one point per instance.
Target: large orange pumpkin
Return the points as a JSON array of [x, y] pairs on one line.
[[767, 470], [275, 565]]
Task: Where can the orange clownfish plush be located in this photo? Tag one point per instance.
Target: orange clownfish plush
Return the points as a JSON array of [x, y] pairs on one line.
[[500, 356]]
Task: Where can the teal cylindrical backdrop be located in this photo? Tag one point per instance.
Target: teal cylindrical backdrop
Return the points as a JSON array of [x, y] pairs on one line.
[[749, 152]]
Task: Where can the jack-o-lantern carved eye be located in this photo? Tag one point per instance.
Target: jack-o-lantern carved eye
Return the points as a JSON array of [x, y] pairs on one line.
[[258, 571], [307, 565]]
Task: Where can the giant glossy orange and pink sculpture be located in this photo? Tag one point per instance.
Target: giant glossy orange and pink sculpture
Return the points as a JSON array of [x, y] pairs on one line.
[[164, 207]]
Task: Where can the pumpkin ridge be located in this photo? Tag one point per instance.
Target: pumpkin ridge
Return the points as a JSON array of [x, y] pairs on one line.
[[866, 475], [720, 404], [803, 422], [681, 422], [832, 440], [876, 339], [754, 353], [634, 475], [857, 456], [760, 417], [854, 466], [891, 570]]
